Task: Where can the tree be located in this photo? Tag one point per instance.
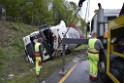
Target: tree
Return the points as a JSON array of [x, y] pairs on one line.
[[40, 12]]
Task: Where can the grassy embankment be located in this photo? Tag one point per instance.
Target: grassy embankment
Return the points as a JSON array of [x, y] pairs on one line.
[[12, 56]]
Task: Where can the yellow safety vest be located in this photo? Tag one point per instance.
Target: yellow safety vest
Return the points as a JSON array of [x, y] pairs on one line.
[[91, 48], [37, 51]]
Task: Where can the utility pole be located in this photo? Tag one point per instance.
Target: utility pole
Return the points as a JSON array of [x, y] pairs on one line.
[[87, 13]]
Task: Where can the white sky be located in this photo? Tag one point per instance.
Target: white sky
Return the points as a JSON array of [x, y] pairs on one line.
[[106, 4]]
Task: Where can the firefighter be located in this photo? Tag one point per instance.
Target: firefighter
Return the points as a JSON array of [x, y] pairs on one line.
[[94, 47], [37, 56]]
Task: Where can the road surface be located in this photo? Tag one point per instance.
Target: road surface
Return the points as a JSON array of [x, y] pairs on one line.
[[77, 72]]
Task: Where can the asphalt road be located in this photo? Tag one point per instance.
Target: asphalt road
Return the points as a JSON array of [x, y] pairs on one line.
[[79, 73]]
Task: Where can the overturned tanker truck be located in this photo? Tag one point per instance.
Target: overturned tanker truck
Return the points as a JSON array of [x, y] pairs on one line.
[[52, 36]]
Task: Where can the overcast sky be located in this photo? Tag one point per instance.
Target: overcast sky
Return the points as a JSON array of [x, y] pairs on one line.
[[106, 4]]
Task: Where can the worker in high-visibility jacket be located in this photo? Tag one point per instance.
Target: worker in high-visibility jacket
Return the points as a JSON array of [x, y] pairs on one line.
[[37, 56], [94, 47]]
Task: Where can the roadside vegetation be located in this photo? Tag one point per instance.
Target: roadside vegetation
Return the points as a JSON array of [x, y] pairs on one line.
[[39, 12], [12, 56], [20, 18], [13, 66]]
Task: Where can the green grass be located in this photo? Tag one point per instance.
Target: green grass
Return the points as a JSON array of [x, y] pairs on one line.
[[82, 46], [12, 56], [48, 68]]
